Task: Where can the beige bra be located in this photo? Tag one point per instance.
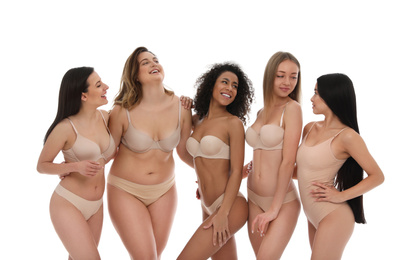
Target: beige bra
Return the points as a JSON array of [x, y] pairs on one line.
[[209, 146], [85, 149], [140, 142], [270, 136]]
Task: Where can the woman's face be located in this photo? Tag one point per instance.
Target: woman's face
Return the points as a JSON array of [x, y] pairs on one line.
[[225, 88], [97, 91], [286, 78], [150, 70], [318, 104]]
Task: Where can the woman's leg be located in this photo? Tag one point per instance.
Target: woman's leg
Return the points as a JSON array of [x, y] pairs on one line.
[[73, 229], [312, 232], [200, 246], [255, 237], [332, 234], [279, 231], [162, 216], [95, 223], [132, 221]]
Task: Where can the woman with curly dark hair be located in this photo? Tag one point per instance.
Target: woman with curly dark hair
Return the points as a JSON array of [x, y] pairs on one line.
[[217, 146]]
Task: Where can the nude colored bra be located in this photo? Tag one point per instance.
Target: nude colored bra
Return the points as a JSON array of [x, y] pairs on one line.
[[270, 136], [85, 149], [209, 146], [140, 142]]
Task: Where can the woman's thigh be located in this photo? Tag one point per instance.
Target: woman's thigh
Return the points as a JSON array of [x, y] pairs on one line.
[[201, 246], [162, 216], [72, 228], [333, 233], [132, 222], [280, 231]]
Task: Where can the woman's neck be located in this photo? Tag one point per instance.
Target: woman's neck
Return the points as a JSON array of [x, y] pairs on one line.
[[153, 93], [216, 110]]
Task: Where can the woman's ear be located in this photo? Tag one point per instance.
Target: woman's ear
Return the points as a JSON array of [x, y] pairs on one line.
[[84, 96]]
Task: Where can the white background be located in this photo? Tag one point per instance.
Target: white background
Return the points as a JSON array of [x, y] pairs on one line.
[[41, 40]]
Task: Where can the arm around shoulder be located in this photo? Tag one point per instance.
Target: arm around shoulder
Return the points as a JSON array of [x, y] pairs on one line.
[[116, 123], [186, 127]]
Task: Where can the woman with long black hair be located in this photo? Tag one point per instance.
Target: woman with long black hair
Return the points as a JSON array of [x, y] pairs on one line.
[[81, 132], [330, 163]]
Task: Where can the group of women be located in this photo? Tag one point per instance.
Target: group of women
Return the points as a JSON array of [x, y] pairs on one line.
[[148, 121]]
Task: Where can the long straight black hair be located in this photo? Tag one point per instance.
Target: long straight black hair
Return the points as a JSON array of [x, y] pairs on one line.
[[73, 84], [338, 92]]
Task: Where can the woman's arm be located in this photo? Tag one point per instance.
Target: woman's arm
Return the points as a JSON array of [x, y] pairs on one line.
[[116, 123], [56, 141], [352, 145], [186, 127]]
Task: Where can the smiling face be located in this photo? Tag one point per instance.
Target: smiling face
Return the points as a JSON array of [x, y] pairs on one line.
[[225, 88], [286, 78], [96, 91], [149, 68]]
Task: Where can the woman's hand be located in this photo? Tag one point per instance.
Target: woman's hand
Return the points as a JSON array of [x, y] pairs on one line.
[[247, 168], [63, 175], [186, 102], [88, 168], [262, 221], [326, 192], [221, 232]]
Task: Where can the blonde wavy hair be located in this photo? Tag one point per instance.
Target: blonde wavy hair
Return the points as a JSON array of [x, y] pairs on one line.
[[130, 93]]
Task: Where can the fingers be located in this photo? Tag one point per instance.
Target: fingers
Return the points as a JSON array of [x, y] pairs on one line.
[[220, 237], [92, 168], [261, 224], [320, 185], [186, 102]]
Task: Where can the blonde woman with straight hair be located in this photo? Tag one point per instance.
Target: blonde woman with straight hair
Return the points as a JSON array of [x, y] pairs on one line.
[[147, 122], [273, 202]]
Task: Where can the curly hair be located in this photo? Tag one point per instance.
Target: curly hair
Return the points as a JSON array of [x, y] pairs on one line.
[[240, 107]]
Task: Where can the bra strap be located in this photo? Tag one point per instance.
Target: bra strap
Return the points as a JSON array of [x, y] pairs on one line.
[[179, 111], [72, 124], [339, 132], [128, 115], [105, 122], [283, 112]]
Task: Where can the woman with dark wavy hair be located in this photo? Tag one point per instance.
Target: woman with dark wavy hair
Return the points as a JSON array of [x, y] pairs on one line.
[[147, 123], [80, 131], [217, 143], [330, 163]]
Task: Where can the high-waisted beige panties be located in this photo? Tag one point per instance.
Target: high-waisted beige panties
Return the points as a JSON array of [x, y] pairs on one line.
[[216, 204], [147, 194], [265, 202], [87, 207]]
